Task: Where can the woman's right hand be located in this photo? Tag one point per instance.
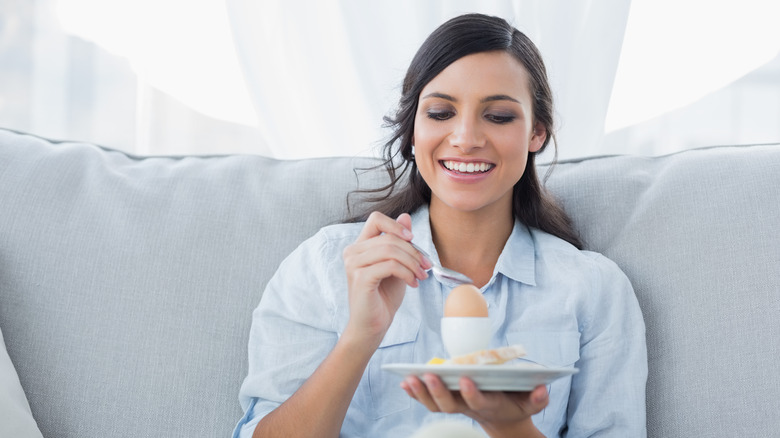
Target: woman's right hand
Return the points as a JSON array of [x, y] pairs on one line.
[[379, 265]]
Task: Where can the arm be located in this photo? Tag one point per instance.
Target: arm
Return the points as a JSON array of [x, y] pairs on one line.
[[608, 394], [318, 408], [379, 265]]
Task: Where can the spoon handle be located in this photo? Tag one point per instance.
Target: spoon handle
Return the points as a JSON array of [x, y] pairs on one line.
[[443, 272]]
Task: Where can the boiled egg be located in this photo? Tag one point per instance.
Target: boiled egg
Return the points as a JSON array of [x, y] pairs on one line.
[[465, 301], [465, 326]]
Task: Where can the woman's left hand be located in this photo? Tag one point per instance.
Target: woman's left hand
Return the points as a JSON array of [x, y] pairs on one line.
[[499, 413]]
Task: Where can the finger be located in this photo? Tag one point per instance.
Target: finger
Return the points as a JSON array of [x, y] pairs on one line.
[[472, 396], [378, 223], [441, 395], [385, 246], [530, 402], [377, 272], [382, 249], [405, 386], [420, 393], [354, 262], [539, 398]]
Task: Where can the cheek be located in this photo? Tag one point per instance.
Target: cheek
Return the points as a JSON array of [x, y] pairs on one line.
[[427, 133], [512, 145], [515, 152]]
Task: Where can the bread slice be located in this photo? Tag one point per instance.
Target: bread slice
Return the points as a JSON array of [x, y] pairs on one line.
[[489, 357]]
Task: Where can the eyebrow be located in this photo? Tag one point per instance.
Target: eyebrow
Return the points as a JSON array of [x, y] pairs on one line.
[[499, 97], [484, 100]]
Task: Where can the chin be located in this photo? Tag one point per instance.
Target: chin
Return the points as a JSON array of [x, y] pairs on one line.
[[468, 206]]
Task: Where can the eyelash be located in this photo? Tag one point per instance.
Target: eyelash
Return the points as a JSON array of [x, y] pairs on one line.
[[440, 115], [500, 119], [445, 115]]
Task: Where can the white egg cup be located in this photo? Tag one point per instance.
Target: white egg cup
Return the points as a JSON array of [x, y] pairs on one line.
[[465, 334]]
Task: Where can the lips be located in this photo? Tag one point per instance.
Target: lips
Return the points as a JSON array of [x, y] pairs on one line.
[[469, 168]]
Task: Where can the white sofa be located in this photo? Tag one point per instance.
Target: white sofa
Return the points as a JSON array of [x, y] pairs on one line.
[[127, 283]]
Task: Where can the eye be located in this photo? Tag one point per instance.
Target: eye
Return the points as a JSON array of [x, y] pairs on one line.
[[440, 115], [500, 118]]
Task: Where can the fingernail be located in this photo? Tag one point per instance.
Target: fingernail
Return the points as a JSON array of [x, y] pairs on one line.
[[406, 233]]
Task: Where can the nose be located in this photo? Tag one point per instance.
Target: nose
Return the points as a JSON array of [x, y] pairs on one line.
[[467, 135]]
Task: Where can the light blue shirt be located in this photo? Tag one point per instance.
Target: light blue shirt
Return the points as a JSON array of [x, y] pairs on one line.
[[566, 307]]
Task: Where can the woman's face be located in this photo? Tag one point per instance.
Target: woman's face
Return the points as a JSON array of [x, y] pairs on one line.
[[473, 131]]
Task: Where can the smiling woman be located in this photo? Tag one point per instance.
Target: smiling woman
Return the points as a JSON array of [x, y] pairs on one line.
[[460, 113], [474, 111], [497, 95]]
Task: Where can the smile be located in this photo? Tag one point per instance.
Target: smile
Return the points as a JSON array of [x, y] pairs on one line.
[[457, 166]]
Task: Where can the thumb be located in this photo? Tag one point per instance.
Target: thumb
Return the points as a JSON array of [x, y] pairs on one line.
[[539, 397]]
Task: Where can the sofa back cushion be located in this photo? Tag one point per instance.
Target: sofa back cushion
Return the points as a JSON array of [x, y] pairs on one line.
[[127, 283], [16, 420], [698, 234]]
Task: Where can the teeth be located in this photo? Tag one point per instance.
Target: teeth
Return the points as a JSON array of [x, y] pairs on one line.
[[467, 167]]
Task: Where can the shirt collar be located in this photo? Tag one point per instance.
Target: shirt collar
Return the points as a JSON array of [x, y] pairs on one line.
[[517, 259], [421, 229]]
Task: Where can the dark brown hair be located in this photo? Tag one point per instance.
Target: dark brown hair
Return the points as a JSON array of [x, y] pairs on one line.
[[458, 37]]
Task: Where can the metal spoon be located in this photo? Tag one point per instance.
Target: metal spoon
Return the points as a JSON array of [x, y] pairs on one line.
[[443, 272]]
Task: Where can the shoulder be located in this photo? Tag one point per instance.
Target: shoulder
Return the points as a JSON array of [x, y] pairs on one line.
[[561, 256], [324, 248], [336, 236], [554, 249], [603, 292], [318, 249], [315, 261]]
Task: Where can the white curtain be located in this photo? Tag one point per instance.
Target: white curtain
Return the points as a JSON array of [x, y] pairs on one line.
[[321, 81], [134, 75], [309, 78], [696, 73]]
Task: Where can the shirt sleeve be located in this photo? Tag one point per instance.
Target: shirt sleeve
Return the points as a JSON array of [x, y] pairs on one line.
[[292, 331], [607, 396]]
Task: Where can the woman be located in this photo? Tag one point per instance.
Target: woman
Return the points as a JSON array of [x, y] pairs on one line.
[[476, 108]]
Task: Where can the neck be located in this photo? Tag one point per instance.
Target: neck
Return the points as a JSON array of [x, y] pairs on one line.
[[470, 242]]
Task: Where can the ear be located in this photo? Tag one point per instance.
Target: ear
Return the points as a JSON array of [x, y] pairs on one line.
[[538, 138]]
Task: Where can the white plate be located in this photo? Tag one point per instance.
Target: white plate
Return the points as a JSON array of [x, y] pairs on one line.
[[504, 377]]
